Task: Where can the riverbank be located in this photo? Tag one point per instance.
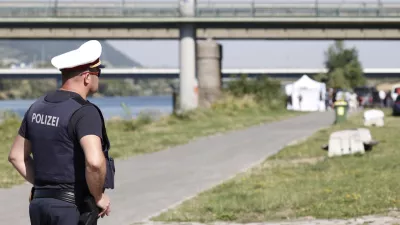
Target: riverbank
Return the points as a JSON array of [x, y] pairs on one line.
[[112, 107], [301, 182], [140, 136], [32, 89]]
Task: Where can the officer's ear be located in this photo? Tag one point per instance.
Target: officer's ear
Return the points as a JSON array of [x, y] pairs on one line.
[[86, 77]]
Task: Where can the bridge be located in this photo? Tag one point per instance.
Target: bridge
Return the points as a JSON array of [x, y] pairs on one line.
[[127, 19], [173, 73]]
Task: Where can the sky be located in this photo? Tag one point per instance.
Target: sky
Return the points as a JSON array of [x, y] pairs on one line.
[[263, 53]]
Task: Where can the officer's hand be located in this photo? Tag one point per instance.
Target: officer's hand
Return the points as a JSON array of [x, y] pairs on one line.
[[104, 204]]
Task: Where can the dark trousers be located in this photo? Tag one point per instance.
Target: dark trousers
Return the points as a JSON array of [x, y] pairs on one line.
[[48, 211]]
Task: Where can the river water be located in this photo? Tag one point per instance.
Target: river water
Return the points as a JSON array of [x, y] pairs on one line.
[[110, 106]]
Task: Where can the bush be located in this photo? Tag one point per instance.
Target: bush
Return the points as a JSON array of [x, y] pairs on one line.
[[265, 91]]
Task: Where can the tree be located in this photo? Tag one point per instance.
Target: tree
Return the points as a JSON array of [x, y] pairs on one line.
[[344, 68]]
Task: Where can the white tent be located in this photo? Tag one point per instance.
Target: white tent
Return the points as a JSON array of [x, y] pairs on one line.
[[312, 94]]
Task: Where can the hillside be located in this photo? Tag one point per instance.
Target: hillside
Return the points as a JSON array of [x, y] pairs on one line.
[[31, 51]]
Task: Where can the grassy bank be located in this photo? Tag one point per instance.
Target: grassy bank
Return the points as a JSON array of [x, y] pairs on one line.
[[301, 181], [144, 136]]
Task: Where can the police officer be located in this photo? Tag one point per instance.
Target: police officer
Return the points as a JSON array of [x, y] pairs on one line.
[[66, 135]]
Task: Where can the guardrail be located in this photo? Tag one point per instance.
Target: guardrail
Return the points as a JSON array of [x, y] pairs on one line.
[[151, 9]]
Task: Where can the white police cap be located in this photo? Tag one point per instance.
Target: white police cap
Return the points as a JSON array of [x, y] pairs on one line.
[[86, 56]]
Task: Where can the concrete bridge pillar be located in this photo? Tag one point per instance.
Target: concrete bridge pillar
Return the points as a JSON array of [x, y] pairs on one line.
[[188, 92], [209, 55]]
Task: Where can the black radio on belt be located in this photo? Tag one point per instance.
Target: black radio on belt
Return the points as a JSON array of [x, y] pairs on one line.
[[109, 181]]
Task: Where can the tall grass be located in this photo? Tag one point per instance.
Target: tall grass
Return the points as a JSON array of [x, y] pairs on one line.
[[261, 94], [266, 91]]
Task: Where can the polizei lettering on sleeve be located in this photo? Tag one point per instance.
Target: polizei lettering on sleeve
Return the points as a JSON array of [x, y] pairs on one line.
[[45, 119]]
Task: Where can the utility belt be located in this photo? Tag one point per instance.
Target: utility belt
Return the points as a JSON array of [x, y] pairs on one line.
[[63, 195], [87, 206]]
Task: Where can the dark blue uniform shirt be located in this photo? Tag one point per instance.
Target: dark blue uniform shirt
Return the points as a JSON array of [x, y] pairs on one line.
[[86, 121]]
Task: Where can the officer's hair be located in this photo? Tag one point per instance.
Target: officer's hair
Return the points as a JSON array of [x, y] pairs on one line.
[[68, 74]]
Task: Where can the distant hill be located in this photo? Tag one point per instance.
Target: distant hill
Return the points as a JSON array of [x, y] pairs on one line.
[[30, 51]]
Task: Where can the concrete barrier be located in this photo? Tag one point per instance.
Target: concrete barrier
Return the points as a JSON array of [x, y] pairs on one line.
[[374, 117], [345, 142]]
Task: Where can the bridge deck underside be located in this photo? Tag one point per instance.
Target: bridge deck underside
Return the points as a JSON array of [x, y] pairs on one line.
[[202, 33], [220, 28]]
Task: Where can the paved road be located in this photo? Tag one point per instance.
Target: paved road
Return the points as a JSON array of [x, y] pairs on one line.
[[150, 183]]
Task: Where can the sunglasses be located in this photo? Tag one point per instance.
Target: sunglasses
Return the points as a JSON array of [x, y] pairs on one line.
[[97, 72]]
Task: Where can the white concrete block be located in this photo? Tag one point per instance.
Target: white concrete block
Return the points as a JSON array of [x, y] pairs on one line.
[[365, 135], [374, 117], [379, 122], [346, 142]]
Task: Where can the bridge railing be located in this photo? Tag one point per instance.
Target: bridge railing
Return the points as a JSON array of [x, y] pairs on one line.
[[128, 8]]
